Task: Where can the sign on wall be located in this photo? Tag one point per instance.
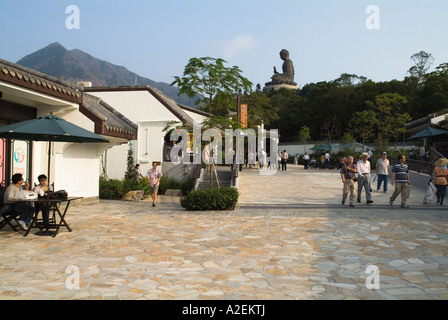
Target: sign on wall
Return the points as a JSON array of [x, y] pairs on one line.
[[20, 158]]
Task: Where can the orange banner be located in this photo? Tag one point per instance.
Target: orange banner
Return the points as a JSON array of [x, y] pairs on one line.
[[243, 113]]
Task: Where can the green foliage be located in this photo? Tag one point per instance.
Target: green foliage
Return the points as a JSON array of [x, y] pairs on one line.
[[171, 183], [260, 108], [223, 198], [114, 189], [110, 189], [304, 134], [209, 78], [130, 175]]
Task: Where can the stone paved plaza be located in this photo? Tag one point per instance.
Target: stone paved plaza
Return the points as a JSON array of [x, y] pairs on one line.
[[289, 238]]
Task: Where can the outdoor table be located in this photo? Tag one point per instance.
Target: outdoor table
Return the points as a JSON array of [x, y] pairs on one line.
[[50, 204]]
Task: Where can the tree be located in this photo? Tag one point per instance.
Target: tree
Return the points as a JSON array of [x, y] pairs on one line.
[[363, 124], [304, 134], [208, 77], [422, 63], [331, 128], [260, 109], [386, 108], [129, 175]]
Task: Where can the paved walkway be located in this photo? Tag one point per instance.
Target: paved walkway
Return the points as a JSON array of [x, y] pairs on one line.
[[289, 238]]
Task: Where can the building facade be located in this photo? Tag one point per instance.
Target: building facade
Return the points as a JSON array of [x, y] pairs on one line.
[[27, 94]]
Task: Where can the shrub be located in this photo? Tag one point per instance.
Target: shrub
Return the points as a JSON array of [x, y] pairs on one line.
[[114, 189], [110, 189], [223, 198], [170, 183]]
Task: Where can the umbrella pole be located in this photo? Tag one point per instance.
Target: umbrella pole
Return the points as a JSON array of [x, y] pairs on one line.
[[49, 162]]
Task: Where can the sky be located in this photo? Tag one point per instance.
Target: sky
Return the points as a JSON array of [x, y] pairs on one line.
[[155, 39]]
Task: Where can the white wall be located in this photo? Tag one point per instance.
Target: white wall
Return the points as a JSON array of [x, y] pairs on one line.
[[74, 166], [151, 117]]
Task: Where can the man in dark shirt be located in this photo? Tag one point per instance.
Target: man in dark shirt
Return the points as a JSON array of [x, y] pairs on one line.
[[400, 177]]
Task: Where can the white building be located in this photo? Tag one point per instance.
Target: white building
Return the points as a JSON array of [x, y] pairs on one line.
[[152, 111], [27, 94]]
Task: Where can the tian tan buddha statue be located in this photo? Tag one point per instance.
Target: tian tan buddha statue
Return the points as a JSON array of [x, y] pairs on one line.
[[287, 77]]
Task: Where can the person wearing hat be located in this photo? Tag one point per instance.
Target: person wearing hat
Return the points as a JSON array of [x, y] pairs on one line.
[[382, 171], [440, 173], [364, 178]]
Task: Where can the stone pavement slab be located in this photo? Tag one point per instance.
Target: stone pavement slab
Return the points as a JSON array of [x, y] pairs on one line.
[[294, 245]]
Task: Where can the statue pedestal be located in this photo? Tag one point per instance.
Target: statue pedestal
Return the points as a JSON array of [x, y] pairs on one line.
[[271, 87]]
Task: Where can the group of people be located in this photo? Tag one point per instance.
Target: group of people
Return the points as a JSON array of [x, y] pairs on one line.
[[263, 158], [360, 173], [24, 211]]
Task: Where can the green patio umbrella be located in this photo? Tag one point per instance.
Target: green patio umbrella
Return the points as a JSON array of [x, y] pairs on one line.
[[327, 146], [428, 132], [49, 128]]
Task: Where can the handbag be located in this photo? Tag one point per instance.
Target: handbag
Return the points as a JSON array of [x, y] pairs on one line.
[[61, 195], [430, 192]]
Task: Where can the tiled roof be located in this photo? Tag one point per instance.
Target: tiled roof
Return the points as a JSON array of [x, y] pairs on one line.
[[109, 121], [38, 81], [168, 103]]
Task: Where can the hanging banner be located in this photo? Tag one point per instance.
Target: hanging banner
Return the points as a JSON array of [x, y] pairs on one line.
[[20, 158], [243, 113]]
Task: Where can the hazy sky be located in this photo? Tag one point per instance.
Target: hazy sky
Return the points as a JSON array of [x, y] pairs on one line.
[[156, 39]]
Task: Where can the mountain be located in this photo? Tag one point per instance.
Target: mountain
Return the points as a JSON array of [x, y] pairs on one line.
[[75, 66]]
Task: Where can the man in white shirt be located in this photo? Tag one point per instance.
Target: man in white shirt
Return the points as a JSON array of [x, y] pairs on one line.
[[12, 193], [306, 159], [364, 178], [327, 160]]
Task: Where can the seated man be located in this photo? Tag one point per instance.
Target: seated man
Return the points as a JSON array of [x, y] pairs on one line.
[[41, 189], [11, 193]]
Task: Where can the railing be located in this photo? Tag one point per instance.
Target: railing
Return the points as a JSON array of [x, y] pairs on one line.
[[426, 167], [420, 166]]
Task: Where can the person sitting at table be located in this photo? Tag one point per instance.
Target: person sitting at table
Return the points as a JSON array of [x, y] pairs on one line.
[[42, 187], [12, 193]]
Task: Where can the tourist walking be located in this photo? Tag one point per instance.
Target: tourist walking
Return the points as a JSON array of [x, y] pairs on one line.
[[154, 177], [306, 160], [370, 155], [364, 178], [137, 172], [440, 173], [348, 175], [261, 158], [382, 172], [327, 160], [402, 181], [296, 159], [285, 157]]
